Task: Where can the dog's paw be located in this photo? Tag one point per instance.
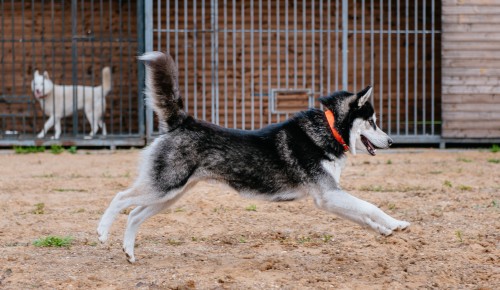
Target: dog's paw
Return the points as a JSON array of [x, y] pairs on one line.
[[130, 256], [40, 136], [102, 235], [401, 225]]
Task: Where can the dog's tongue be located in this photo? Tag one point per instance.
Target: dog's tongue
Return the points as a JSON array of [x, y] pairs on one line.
[[369, 146]]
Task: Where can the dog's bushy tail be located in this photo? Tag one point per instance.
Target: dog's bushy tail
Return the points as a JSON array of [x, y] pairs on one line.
[[106, 80], [162, 89]]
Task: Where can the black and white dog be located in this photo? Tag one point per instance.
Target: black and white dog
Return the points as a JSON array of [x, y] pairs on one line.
[[300, 157]]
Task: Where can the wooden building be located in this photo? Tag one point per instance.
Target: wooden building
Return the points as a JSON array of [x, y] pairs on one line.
[[471, 70]]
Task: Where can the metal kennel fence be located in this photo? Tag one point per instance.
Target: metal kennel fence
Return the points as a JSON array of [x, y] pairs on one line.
[[72, 40], [246, 64], [242, 64]]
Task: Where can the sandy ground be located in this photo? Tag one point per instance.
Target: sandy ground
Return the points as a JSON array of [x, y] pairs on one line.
[[211, 239]]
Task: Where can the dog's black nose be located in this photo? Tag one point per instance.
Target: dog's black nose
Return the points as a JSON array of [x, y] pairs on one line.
[[389, 141]]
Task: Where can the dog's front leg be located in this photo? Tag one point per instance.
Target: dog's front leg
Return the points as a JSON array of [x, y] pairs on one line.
[[46, 127], [359, 211]]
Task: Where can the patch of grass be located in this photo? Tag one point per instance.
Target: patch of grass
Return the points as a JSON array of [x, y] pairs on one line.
[[53, 241], [72, 149], [495, 148], [447, 183], [56, 149], [28, 149], [377, 188], [303, 240], [69, 189], [242, 240], [39, 208], [495, 203], [220, 209], [462, 159], [494, 161], [436, 172], [465, 187], [251, 207], [180, 209], [459, 235], [391, 206], [326, 238], [389, 162], [173, 242]]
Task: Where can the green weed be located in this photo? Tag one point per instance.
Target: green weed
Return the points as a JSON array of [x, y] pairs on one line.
[[436, 172], [462, 159], [53, 241], [447, 183], [391, 206], [72, 149], [39, 208], [494, 161], [56, 149], [465, 187], [28, 149], [495, 148], [326, 238], [389, 162], [251, 207], [459, 235], [303, 240]]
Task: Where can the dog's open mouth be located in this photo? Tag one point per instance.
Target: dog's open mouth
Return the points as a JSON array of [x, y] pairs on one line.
[[369, 146]]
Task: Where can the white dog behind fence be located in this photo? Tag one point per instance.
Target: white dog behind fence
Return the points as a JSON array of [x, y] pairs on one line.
[[57, 101]]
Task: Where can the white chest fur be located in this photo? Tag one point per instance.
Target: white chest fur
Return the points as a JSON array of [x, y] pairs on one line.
[[334, 167]]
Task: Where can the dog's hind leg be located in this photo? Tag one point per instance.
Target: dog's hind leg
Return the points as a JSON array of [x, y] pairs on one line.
[[141, 213], [103, 127], [121, 201], [57, 128], [357, 210], [136, 217]]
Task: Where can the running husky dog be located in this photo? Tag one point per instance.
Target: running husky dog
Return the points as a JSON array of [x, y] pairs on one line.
[[57, 101], [300, 157]]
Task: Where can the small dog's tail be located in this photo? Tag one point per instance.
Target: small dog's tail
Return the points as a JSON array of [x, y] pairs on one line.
[[106, 80], [162, 89]]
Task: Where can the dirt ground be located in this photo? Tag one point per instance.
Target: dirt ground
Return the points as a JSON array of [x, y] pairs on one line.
[[214, 239]]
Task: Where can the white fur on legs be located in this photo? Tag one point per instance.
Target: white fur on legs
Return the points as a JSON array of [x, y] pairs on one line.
[[121, 201], [359, 211], [136, 217], [57, 128], [48, 124]]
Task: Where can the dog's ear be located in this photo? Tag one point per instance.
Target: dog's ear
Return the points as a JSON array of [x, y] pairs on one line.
[[46, 75], [364, 95]]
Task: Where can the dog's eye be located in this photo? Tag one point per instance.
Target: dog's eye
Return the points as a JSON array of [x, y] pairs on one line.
[[372, 124]]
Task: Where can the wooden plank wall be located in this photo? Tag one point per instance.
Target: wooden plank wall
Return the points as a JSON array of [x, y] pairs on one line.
[[471, 69], [37, 35]]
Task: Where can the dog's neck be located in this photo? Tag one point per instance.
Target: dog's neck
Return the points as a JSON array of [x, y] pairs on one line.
[[331, 122]]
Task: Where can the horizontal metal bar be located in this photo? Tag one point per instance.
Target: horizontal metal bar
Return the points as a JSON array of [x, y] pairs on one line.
[[111, 141], [66, 40], [298, 30]]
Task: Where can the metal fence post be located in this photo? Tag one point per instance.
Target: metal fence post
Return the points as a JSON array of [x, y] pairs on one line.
[[141, 19], [215, 61], [345, 46], [148, 45], [74, 62]]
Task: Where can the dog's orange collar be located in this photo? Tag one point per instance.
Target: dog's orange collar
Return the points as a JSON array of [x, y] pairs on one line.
[[331, 121]]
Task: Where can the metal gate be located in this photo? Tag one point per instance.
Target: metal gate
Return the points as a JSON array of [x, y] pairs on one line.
[[246, 64], [72, 40]]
